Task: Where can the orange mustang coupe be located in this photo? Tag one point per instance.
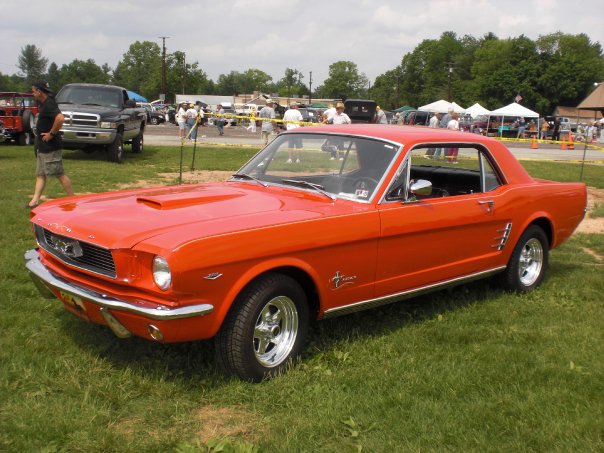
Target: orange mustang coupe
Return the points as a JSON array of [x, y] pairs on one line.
[[323, 221]]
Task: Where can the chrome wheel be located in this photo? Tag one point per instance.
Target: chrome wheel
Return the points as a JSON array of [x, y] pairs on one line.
[[275, 331], [530, 262]]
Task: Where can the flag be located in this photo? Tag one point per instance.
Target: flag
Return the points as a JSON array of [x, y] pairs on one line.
[[518, 98]]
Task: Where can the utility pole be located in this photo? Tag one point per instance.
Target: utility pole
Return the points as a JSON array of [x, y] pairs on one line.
[[310, 89], [449, 69], [162, 95]]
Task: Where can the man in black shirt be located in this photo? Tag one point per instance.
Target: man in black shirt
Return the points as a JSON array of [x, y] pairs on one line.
[[49, 145]]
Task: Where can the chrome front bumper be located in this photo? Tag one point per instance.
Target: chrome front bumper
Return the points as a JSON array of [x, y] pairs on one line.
[[45, 280], [89, 135]]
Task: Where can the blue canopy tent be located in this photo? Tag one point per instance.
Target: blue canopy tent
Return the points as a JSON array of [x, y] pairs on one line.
[[137, 97]]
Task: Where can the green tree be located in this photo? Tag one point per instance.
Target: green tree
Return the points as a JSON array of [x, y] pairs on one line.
[[344, 81], [291, 84], [53, 76], [32, 64], [140, 69], [79, 71]]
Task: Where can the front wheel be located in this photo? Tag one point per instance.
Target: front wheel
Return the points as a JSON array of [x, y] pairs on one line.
[[138, 143], [528, 262], [265, 328], [115, 151]]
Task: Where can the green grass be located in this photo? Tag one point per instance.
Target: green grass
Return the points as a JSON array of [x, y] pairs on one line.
[[470, 369]]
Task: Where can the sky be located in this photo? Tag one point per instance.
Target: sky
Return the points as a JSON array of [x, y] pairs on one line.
[[272, 35]]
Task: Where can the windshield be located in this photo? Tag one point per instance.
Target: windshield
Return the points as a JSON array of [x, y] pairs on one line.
[[88, 95], [335, 165]]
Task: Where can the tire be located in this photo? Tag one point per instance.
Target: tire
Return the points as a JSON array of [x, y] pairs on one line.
[[528, 262], [138, 143], [27, 119], [265, 329], [25, 139], [115, 151], [154, 121]]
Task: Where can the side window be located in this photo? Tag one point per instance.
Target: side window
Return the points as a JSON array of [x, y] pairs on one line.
[[450, 171]]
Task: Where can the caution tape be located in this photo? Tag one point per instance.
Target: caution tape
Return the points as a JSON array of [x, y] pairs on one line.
[[257, 118]]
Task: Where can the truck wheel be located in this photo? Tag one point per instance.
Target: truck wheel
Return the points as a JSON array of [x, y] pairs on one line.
[[138, 143], [25, 139], [154, 121], [115, 151], [265, 328], [27, 119]]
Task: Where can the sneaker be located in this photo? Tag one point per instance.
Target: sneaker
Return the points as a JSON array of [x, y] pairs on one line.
[[297, 161], [289, 161], [332, 158]]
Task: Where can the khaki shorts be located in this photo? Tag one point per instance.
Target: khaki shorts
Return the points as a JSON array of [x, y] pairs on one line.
[[50, 164]]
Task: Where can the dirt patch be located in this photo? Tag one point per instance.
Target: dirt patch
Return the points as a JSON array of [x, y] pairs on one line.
[[221, 422], [589, 224], [209, 423]]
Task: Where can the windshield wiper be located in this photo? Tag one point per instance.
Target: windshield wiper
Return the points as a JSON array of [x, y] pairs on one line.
[[64, 102], [318, 187], [92, 103], [250, 177]]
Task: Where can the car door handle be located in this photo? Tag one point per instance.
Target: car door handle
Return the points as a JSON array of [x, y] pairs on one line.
[[488, 203]]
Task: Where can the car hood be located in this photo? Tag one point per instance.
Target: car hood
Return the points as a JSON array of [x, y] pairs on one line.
[[123, 219]]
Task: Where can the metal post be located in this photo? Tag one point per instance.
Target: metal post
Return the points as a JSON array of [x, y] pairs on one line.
[[163, 67]]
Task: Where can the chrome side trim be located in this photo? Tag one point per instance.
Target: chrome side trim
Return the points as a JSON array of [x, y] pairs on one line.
[[503, 239], [371, 303], [42, 277]]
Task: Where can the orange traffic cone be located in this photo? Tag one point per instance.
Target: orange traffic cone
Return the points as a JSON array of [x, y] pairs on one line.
[[563, 146], [534, 143], [570, 141]]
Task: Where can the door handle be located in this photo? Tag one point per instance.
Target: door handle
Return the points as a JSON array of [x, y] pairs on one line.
[[488, 204]]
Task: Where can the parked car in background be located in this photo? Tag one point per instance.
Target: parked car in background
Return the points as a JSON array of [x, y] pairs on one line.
[[360, 110], [477, 125], [153, 116], [17, 117], [309, 115], [418, 118], [252, 260]]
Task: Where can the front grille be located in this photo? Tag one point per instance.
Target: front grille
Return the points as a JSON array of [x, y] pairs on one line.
[[77, 253], [81, 119]]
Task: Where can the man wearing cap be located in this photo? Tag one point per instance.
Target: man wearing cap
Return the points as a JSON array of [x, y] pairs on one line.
[[267, 113], [48, 143]]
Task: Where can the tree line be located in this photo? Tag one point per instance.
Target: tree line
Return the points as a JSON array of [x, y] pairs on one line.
[[555, 69]]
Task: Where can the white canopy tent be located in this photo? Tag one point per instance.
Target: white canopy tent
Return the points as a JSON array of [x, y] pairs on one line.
[[441, 106], [476, 110], [512, 110]]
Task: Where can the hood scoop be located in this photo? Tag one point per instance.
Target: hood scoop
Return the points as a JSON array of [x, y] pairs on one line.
[[181, 200]]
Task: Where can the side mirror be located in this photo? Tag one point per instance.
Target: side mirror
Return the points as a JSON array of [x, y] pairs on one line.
[[130, 103], [421, 187]]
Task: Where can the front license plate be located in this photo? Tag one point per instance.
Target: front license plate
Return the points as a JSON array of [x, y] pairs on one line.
[[73, 301]]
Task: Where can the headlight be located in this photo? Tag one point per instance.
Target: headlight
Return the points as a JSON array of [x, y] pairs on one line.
[[162, 276], [108, 125]]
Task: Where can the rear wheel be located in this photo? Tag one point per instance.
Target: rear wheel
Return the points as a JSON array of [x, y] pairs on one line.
[[528, 262], [265, 328], [115, 151]]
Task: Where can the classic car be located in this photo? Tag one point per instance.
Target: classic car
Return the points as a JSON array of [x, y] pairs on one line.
[[251, 260]]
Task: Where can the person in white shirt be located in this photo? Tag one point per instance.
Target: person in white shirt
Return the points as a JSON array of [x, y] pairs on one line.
[[292, 119], [380, 116], [267, 113], [340, 117], [181, 120], [453, 124], [329, 113], [191, 115]]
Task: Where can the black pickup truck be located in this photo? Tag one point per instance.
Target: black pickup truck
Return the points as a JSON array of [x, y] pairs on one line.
[[101, 116]]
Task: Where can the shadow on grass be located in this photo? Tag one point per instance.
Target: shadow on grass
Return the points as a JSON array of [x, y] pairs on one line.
[[194, 362]]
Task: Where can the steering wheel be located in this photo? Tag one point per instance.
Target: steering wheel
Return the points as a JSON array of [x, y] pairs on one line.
[[364, 183]]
